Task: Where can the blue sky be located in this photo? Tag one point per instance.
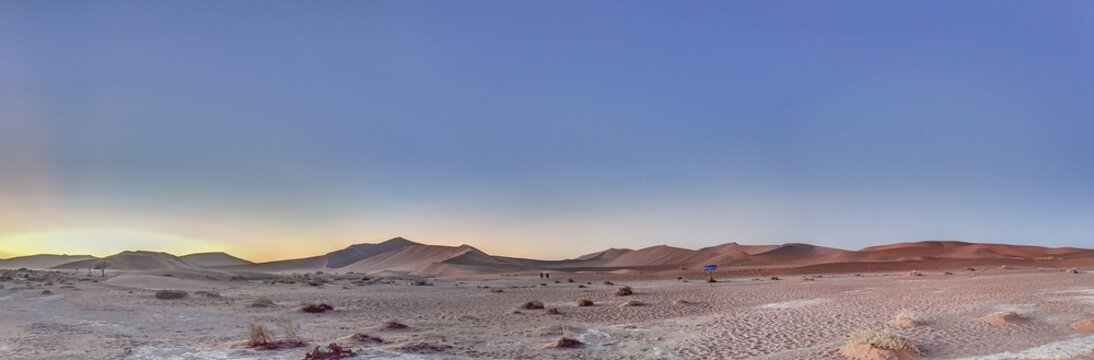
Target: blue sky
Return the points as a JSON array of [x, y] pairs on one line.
[[546, 129]]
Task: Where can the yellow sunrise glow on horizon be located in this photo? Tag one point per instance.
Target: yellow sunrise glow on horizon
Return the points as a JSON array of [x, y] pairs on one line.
[[100, 243]]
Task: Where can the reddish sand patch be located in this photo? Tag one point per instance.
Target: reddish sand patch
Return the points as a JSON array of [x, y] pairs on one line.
[[1083, 325], [867, 352], [1003, 318]]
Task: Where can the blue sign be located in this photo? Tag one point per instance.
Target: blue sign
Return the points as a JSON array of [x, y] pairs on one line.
[[710, 268]]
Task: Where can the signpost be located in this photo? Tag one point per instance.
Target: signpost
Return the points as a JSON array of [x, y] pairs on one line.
[[710, 270]]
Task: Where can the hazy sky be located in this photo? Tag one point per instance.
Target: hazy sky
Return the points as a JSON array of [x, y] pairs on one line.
[[546, 129]]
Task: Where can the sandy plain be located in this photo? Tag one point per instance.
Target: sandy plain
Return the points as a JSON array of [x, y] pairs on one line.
[[73, 315]]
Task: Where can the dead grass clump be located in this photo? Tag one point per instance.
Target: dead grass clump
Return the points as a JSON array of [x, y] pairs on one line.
[[947, 273], [553, 311], [632, 303], [904, 319], [332, 352], [878, 345], [365, 338], [569, 280], [532, 305], [316, 308], [1073, 271], [609, 283], [1003, 318], [775, 278], [913, 273], [624, 291], [495, 290], [568, 343], [171, 294], [584, 302], [208, 294], [1003, 267], [394, 325], [262, 339]]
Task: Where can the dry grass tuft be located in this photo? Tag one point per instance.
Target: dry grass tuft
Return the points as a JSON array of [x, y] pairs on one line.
[[553, 311], [904, 319], [624, 291], [609, 283], [632, 303], [395, 325], [1073, 271], [913, 273], [262, 338], [881, 340], [584, 302], [365, 338]]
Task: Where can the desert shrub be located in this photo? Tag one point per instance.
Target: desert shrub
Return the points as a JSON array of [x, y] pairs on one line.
[[881, 340], [624, 291], [496, 290], [913, 273], [775, 278], [331, 352], [316, 308], [584, 302], [171, 294], [1073, 271], [568, 343], [553, 311], [395, 325], [632, 303], [261, 338], [532, 305], [569, 280], [609, 283]]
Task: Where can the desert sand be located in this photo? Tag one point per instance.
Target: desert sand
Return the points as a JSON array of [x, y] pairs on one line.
[[460, 303]]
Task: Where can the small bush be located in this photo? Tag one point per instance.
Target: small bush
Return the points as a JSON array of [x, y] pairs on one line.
[[609, 283], [569, 280], [261, 338], [553, 311], [532, 305], [1073, 271], [568, 343], [913, 273], [633, 303], [584, 302], [171, 294], [775, 278], [496, 290], [395, 325], [624, 291]]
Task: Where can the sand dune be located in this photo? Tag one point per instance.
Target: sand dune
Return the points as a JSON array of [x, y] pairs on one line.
[[402, 256], [214, 259], [44, 261], [133, 260]]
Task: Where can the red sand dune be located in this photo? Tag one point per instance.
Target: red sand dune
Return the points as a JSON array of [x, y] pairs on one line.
[[399, 255]]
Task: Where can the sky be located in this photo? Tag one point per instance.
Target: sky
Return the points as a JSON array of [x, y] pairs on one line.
[[279, 129]]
